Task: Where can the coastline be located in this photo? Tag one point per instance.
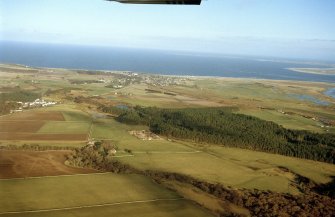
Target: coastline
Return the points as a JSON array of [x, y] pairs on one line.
[[27, 67], [316, 71]]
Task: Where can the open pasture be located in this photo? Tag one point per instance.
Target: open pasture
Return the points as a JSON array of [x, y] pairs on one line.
[[165, 208], [235, 167], [91, 194], [66, 127], [289, 121]]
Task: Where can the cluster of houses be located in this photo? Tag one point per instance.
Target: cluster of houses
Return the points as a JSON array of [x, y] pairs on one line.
[[163, 80], [34, 104], [37, 103]]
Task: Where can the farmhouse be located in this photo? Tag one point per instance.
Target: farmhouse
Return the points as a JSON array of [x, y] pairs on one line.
[[15, 110], [112, 151], [144, 135]]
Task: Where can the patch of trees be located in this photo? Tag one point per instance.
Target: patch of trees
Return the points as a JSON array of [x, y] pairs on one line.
[[75, 81], [114, 110], [97, 157], [224, 127], [6, 107], [92, 100], [19, 95], [62, 91], [326, 189], [160, 91], [93, 72]]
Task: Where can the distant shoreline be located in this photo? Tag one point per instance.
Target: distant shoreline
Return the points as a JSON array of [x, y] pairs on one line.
[[158, 62], [27, 67], [317, 71]]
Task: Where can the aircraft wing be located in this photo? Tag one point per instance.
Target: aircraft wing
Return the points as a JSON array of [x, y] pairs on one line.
[[176, 2]]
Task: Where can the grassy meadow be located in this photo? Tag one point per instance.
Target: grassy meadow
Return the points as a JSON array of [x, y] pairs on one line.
[[106, 194]]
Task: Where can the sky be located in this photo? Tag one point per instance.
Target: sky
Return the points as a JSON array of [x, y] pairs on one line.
[[278, 28]]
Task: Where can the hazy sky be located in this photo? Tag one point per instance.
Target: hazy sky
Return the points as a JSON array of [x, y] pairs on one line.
[[292, 28]]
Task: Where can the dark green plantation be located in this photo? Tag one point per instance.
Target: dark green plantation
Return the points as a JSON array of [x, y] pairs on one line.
[[223, 126], [19, 95]]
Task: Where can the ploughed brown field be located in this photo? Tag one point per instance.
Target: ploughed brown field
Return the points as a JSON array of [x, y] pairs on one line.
[[20, 164], [35, 115], [20, 126], [24, 126], [38, 137]]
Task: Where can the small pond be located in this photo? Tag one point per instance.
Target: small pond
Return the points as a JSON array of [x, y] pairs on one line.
[[125, 107], [310, 98], [330, 92]]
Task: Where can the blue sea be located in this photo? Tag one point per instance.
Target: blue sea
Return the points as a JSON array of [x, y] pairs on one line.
[[153, 61]]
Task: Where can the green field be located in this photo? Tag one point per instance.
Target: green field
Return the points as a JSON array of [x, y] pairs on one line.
[[64, 127], [287, 121], [235, 167], [106, 194], [76, 115], [231, 166], [180, 208]]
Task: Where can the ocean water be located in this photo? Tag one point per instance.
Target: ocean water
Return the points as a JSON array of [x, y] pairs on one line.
[[151, 61]]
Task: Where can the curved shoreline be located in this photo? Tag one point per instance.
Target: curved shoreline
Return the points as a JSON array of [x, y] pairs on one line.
[[316, 71]]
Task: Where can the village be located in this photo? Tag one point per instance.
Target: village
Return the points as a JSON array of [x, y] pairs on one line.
[[35, 104]]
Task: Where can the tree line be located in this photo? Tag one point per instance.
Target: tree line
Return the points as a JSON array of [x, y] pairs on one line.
[[224, 127]]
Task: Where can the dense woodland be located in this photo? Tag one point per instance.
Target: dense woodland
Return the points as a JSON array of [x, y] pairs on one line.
[[224, 127]]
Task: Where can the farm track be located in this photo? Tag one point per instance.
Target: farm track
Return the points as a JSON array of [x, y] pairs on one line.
[[56, 176], [92, 206], [42, 120], [157, 152]]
